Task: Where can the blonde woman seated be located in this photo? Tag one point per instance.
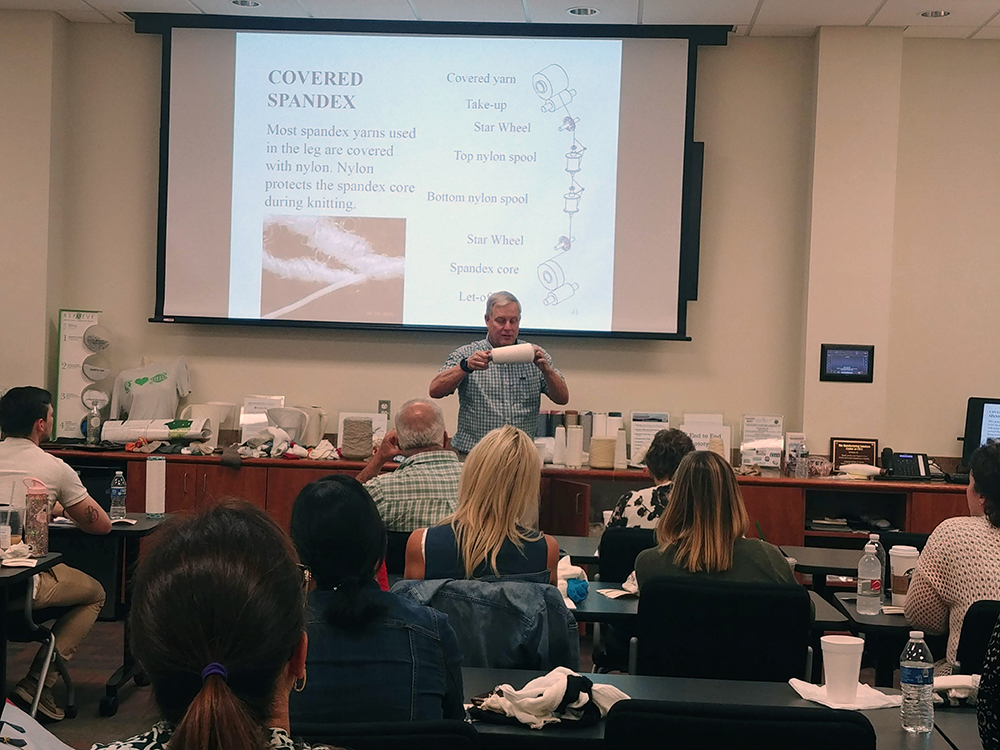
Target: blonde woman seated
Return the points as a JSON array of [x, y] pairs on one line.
[[701, 532], [484, 538]]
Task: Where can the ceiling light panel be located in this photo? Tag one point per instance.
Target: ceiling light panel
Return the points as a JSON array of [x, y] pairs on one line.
[[816, 12], [698, 11], [612, 11], [804, 30], [380, 10], [146, 6], [489, 11], [939, 32], [963, 12]]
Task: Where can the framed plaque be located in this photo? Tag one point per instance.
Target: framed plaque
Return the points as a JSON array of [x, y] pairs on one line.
[[853, 451]]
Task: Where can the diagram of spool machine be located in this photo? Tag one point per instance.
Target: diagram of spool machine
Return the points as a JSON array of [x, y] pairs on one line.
[[551, 84]]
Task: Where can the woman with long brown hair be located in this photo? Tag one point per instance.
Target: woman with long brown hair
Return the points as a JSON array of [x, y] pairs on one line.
[[485, 537], [218, 625], [701, 532]]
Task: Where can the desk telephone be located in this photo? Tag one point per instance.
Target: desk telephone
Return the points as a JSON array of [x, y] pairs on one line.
[[907, 466]]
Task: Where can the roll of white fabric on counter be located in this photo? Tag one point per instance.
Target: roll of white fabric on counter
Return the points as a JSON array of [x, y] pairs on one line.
[[156, 486], [508, 355], [602, 452], [621, 450], [559, 452], [574, 446]]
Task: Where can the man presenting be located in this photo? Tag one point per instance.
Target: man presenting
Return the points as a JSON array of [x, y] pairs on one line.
[[490, 395], [424, 488], [26, 421]]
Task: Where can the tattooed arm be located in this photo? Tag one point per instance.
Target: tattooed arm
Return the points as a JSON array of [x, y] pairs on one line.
[[89, 516]]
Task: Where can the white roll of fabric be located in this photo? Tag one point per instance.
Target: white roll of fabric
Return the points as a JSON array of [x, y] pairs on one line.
[[559, 452], [600, 425], [156, 486], [574, 446], [602, 452], [509, 355], [621, 450]]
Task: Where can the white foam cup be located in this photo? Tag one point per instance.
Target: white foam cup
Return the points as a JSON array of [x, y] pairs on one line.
[[841, 666], [902, 562]]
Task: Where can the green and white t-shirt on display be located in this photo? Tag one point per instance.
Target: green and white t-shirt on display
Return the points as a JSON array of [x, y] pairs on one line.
[[150, 392]]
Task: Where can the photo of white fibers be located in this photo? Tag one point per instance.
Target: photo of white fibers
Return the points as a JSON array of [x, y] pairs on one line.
[[340, 257]]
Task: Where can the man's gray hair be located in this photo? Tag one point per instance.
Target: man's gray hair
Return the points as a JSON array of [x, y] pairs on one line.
[[422, 429], [501, 299]]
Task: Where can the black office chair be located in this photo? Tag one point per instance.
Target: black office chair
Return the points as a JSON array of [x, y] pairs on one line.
[[892, 538], [977, 627], [395, 551], [401, 735], [28, 629], [618, 549], [617, 552], [637, 724], [722, 630]]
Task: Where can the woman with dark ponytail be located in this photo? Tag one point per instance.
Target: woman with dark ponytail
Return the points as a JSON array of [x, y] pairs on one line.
[[218, 625], [373, 656]]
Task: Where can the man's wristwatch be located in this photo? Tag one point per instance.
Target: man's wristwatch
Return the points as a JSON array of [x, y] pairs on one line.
[[464, 364]]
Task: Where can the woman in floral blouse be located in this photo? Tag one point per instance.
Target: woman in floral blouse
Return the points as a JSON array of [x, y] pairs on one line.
[[642, 509]]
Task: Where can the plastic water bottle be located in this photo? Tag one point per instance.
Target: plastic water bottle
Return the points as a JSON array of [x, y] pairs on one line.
[[883, 562], [118, 496], [916, 679], [869, 583], [94, 426]]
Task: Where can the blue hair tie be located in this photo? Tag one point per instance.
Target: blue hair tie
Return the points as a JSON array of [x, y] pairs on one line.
[[214, 668]]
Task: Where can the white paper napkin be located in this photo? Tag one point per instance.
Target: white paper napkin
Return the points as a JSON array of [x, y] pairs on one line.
[[868, 697]]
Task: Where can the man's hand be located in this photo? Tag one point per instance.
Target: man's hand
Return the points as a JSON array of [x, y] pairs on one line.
[[480, 360], [389, 447], [57, 510], [541, 359]]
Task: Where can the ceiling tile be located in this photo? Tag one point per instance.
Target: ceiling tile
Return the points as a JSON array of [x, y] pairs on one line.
[[963, 12], [995, 21], [611, 11], [988, 32], [282, 8], [489, 11], [782, 30], [380, 10], [742, 30], [698, 11], [84, 16], [940, 32], [816, 12]]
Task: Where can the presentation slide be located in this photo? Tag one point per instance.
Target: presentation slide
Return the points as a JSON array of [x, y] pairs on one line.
[[991, 423], [400, 180], [431, 184]]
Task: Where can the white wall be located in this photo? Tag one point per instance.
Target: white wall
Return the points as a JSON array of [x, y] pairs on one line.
[[755, 111]]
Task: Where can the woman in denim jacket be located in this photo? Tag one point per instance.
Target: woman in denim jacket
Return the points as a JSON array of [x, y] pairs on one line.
[[373, 656]]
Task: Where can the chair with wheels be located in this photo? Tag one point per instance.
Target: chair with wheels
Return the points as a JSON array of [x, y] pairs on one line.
[[617, 552], [395, 551], [722, 630], [27, 629], [618, 549], [401, 735], [639, 724], [977, 627]]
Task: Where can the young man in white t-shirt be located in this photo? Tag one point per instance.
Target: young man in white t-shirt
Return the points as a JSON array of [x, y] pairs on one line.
[[26, 421]]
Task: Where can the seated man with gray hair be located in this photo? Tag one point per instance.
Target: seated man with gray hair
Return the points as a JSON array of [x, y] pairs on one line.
[[424, 488]]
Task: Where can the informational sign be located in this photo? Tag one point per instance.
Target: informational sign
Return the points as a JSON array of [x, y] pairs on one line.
[[710, 436], [645, 425], [763, 438], [71, 381]]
